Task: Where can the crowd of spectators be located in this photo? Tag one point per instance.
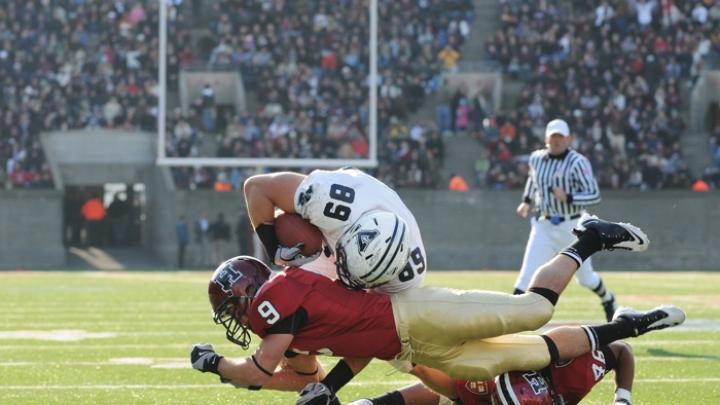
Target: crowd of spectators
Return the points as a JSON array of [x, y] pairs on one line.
[[306, 62], [616, 71], [74, 64]]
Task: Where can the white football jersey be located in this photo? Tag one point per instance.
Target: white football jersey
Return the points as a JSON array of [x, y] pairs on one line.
[[334, 200]]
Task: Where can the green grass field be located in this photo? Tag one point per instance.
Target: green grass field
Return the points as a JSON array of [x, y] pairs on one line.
[[124, 337]]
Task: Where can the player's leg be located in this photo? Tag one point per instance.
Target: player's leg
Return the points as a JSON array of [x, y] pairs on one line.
[[485, 358], [449, 317], [573, 341], [539, 250], [590, 279], [593, 235], [416, 394]]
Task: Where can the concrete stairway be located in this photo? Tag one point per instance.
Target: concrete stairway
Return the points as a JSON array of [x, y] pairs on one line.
[[695, 141], [461, 152], [485, 25]]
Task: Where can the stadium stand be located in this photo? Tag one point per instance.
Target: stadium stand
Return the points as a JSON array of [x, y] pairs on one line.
[[618, 70], [73, 64], [306, 63]]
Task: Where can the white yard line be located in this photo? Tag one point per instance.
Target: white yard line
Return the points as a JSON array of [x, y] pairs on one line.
[[215, 386]]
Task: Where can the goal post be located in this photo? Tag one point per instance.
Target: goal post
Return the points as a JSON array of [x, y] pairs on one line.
[[371, 131]]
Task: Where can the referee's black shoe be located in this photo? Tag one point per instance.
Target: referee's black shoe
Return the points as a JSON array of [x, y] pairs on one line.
[[613, 235]]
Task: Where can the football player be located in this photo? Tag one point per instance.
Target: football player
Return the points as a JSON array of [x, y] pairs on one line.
[[342, 204], [560, 384], [465, 334], [347, 206]]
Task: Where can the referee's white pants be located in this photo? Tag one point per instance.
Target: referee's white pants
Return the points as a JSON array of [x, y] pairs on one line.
[[545, 241]]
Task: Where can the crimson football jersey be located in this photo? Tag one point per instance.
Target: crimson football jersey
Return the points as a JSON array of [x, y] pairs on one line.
[[571, 381], [327, 317]]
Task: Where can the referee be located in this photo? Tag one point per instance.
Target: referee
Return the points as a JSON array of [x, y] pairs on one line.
[[560, 184]]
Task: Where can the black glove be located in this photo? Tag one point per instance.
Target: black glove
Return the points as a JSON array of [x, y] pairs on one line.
[[204, 358], [317, 394]]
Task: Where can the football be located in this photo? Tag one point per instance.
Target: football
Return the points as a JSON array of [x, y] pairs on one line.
[[292, 229]]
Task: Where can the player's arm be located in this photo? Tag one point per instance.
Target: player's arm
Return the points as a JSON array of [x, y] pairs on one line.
[[524, 208], [624, 372], [587, 191], [264, 192], [325, 390], [295, 373], [257, 370]]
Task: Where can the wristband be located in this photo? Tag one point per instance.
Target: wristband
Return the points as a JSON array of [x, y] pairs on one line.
[[266, 233]]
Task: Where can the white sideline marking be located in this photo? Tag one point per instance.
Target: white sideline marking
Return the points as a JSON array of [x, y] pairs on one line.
[[215, 386], [62, 335], [184, 363], [229, 346]]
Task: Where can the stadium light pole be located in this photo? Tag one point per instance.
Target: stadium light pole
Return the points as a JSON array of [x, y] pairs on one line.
[[162, 79]]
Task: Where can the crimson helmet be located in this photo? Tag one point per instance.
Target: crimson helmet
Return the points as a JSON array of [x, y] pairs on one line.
[[232, 287], [522, 388]]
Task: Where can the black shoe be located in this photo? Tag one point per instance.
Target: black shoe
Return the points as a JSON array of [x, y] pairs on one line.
[[657, 318], [613, 235], [609, 306]]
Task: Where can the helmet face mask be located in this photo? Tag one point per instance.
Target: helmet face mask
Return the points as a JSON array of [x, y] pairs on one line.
[[522, 388], [231, 291], [372, 251]]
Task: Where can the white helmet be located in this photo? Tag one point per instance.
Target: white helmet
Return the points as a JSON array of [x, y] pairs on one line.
[[373, 250]]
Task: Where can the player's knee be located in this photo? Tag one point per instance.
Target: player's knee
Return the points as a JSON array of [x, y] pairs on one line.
[[539, 309]]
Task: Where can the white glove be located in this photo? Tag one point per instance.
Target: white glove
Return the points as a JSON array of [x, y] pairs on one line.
[[361, 402], [292, 256], [316, 394], [204, 358]]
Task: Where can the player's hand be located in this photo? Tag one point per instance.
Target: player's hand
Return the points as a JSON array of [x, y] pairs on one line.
[[523, 209], [560, 194], [317, 394], [204, 358], [292, 256]]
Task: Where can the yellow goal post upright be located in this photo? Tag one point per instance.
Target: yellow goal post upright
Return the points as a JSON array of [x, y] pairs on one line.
[[372, 82]]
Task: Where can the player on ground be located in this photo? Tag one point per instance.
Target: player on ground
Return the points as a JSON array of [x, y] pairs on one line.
[[560, 185], [567, 383], [307, 313], [334, 201]]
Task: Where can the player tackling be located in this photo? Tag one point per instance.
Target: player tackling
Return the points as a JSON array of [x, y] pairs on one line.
[[303, 312]]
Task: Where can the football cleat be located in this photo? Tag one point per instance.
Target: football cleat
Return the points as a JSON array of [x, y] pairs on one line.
[[609, 306], [661, 317], [613, 235]]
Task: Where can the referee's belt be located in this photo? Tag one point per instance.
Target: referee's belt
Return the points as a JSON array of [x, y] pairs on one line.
[[555, 219]]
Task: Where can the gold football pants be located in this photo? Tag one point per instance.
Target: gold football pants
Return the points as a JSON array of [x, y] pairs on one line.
[[469, 334]]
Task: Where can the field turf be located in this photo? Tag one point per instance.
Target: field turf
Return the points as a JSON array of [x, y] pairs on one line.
[[125, 337]]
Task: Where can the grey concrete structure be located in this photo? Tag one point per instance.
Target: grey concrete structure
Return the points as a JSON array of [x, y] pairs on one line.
[[472, 230], [31, 229]]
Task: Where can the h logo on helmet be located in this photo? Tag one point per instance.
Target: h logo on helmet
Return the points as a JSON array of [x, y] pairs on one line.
[[227, 278], [536, 382], [364, 238]]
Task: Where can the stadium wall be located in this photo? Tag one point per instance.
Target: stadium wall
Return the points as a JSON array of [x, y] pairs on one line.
[[480, 229], [31, 229], [472, 230]]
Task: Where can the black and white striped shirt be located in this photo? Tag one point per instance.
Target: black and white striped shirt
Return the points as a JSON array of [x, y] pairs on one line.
[[571, 171]]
